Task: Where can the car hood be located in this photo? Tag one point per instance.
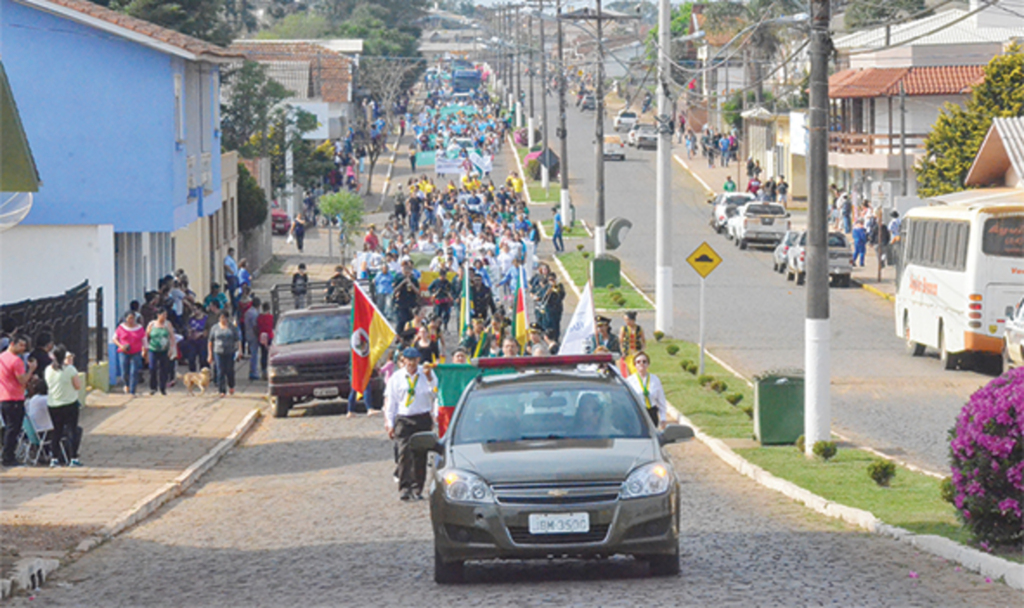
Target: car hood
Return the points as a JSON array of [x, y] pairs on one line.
[[554, 460], [305, 352]]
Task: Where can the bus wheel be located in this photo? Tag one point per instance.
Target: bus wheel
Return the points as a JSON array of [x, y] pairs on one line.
[[913, 348], [949, 360]]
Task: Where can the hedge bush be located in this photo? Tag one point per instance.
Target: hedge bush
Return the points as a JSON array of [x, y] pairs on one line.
[[882, 471]]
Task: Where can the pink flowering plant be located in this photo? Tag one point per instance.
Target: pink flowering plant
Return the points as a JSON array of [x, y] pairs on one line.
[[986, 452]]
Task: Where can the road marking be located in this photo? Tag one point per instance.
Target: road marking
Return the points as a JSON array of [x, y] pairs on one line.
[[878, 292], [694, 174]]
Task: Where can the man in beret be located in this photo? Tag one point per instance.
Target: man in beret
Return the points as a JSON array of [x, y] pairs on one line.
[[408, 409]]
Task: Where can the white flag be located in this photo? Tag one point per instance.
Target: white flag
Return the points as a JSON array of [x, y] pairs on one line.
[[581, 326]]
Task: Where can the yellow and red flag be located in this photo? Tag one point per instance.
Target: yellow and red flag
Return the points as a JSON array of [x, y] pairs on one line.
[[520, 324], [371, 336]]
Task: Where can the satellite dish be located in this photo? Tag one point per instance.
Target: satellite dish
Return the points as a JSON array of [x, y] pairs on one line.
[[14, 206], [616, 232]]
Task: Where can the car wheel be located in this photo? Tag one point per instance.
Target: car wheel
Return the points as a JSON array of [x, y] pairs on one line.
[[782, 267], [913, 348], [800, 278], [447, 573], [949, 360], [789, 274], [664, 565], [743, 243], [281, 406]]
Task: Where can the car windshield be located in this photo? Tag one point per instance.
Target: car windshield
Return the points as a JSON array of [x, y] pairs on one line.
[[551, 410], [766, 210], [313, 328], [627, 115]]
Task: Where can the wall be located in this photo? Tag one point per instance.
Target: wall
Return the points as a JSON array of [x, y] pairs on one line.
[[41, 261], [332, 118], [201, 246]]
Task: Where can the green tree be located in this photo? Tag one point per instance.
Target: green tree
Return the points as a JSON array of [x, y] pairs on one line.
[[866, 13], [374, 24], [298, 26], [309, 163], [957, 135], [203, 19], [252, 201], [679, 26], [246, 117], [765, 40], [348, 207]]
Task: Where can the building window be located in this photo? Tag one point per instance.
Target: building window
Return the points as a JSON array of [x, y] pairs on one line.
[[179, 108]]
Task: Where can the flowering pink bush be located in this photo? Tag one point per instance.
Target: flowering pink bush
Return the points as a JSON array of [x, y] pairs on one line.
[[520, 137], [986, 453]]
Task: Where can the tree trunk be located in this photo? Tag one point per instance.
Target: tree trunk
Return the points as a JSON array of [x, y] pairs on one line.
[[369, 174]]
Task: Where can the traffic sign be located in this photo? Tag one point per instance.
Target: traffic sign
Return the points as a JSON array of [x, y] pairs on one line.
[[704, 260]]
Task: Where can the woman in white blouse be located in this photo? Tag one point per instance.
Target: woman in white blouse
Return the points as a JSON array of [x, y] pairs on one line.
[[648, 388]]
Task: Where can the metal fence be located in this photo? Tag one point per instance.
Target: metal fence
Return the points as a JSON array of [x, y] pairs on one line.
[[65, 317]]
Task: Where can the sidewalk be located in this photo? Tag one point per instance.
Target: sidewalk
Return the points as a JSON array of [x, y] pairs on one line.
[[132, 448]]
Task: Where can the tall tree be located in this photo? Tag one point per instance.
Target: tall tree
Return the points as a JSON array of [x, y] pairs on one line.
[[957, 135], [247, 116], [765, 40], [203, 19]]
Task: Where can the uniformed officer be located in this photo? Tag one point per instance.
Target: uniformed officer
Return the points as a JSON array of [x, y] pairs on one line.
[[604, 336], [408, 408]]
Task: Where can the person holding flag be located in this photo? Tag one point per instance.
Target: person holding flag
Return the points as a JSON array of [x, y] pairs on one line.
[[648, 388], [520, 323], [408, 408], [371, 337]]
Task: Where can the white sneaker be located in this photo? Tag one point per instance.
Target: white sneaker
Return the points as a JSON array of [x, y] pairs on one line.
[[54, 463]]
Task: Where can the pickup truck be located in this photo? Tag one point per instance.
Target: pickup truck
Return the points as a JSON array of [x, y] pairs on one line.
[[310, 358], [840, 260], [625, 120], [764, 223]]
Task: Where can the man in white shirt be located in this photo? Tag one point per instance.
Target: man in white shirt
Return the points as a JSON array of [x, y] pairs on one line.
[[648, 388], [408, 409]]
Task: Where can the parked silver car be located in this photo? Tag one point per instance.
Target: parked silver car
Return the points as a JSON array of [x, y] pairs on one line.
[[724, 206], [643, 135], [758, 223], [780, 254], [1013, 337], [840, 260]]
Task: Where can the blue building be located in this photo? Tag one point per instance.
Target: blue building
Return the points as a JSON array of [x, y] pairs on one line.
[[124, 121]]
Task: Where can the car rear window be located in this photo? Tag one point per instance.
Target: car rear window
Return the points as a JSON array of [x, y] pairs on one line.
[[552, 410], [313, 328], [738, 199], [628, 115], [836, 240], [766, 210]]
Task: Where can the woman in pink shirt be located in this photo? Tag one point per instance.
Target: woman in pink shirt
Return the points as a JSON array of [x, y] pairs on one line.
[[128, 338]]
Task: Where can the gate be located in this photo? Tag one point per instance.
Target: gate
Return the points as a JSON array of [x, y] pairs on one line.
[[66, 317]]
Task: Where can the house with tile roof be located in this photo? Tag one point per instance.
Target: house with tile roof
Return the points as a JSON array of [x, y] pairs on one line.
[[124, 121], [926, 63], [319, 73]]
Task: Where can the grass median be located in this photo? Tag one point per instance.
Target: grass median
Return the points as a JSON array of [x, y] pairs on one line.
[[576, 232], [912, 501], [578, 268], [540, 196]]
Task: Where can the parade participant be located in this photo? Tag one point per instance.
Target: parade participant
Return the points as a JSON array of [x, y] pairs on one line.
[[604, 337], [160, 348], [443, 292], [407, 295], [473, 341], [14, 375], [224, 348], [300, 286], [509, 347], [537, 345], [408, 403], [648, 388], [631, 336]]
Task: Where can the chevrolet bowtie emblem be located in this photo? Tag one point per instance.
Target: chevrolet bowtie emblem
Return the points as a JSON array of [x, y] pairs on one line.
[[558, 493]]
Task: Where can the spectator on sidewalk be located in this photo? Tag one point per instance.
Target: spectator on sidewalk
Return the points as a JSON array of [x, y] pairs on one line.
[[754, 186], [225, 347], [231, 276], [62, 386], [128, 338], [845, 205], [41, 353], [729, 185], [159, 350], [783, 189], [265, 329], [300, 286], [14, 375], [860, 242], [299, 230], [556, 238]]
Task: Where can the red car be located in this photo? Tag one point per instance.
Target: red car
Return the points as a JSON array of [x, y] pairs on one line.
[[280, 223]]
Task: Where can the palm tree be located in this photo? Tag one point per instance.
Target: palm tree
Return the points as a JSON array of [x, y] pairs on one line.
[[765, 40]]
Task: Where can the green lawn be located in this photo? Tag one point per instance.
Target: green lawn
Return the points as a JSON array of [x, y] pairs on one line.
[[707, 409], [578, 268], [539, 196], [576, 232]]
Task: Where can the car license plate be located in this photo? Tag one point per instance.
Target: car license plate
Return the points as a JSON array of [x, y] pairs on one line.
[[767, 221], [329, 391], [559, 523]]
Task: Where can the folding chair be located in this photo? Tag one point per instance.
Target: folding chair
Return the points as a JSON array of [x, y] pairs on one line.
[[37, 429]]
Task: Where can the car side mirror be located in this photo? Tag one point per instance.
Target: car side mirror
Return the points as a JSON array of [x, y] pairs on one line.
[[1009, 312], [673, 433], [425, 441]]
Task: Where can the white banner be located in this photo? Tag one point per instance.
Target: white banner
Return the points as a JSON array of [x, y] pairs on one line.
[[581, 326], [447, 166], [485, 164]]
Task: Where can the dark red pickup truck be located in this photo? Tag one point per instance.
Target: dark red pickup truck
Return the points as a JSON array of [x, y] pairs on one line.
[[310, 358]]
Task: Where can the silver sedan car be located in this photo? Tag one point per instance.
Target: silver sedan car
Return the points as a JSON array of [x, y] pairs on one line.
[[781, 253]]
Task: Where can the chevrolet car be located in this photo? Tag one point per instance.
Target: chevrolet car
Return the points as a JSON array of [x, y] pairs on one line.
[[552, 457]]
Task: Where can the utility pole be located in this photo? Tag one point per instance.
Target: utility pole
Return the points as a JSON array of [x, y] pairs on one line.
[[530, 125], [545, 174], [663, 213], [599, 227], [817, 409], [563, 168], [903, 140], [519, 70]]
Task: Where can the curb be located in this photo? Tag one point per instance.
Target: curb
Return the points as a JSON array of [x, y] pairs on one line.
[[576, 290], [32, 572], [872, 289], [694, 174], [971, 559]]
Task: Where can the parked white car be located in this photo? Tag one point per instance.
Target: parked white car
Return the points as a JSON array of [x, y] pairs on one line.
[[781, 253], [840, 260], [761, 223], [614, 148], [625, 120], [724, 206], [643, 135]]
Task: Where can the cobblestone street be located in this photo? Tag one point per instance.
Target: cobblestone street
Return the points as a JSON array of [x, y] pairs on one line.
[[305, 513]]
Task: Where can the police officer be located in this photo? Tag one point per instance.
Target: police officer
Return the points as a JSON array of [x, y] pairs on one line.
[[408, 408]]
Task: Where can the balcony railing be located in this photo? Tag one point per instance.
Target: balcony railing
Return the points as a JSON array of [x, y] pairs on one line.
[[874, 143]]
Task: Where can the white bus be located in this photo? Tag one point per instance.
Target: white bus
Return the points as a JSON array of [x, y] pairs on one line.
[[961, 271]]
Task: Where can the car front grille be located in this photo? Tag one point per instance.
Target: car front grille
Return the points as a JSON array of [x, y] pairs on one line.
[[556, 494], [308, 372], [521, 536]]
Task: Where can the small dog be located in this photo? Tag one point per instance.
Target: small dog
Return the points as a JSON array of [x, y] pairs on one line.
[[194, 380]]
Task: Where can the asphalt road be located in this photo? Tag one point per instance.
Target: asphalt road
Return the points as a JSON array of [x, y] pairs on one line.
[[304, 513], [881, 397]]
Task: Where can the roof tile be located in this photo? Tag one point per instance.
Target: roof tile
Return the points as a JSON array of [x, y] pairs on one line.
[[332, 69], [883, 82]]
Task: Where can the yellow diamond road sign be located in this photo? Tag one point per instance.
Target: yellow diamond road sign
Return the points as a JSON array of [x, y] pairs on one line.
[[704, 260]]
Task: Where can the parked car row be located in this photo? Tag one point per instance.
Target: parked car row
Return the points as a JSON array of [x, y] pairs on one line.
[[746, 222]]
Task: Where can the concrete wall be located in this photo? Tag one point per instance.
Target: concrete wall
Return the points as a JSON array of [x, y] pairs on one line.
[[41, 261], [201, 246]]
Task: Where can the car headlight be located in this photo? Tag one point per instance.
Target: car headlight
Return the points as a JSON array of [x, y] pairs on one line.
[[460, 486], [275, 371], [649, 480]]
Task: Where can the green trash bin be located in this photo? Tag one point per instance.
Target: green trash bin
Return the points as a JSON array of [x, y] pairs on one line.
[[605, 271], [779, 407]]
